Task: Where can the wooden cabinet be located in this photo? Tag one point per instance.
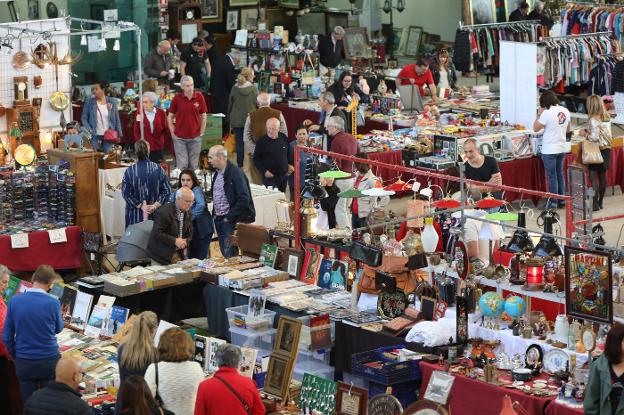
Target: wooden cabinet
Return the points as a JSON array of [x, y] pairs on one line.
[[84, 165], [185, 18], [27, 119]]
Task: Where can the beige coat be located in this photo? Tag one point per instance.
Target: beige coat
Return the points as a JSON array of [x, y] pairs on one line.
[[366, 204]]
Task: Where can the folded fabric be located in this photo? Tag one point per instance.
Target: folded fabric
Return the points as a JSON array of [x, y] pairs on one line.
[[432, 333]]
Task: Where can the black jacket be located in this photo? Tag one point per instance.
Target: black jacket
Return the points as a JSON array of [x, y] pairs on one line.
[[517, 16], [543, 17], [56, 399], [329, 55], [461, 55], [272, 155], [452, 74], [161, 244], [222, 78], [618, 75], [238, 195], [336, 112]]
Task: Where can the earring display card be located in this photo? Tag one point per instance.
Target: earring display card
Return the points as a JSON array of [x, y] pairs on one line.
[[318, 394]]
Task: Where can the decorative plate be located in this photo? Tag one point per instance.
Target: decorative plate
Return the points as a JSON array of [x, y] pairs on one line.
[[384, 405], [534, 354], [391, 305], [425, 408], [555, 360], [588, 337]]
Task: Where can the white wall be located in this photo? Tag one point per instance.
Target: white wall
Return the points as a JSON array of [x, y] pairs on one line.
[[21, 7], [434, 16]]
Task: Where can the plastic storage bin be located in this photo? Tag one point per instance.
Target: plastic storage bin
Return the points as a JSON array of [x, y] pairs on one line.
[[237, 317], [389, 371], [316, 369], [307, 333], [261, 340]]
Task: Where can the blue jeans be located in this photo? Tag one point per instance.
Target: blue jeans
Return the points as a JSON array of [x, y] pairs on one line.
[[35, 374], [99, 144], [203, 228], [240, 146], [553, 164], [225, 230]]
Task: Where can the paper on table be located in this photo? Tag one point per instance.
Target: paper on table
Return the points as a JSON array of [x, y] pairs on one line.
[[57, 235], [106, 301], [367, 302], [19, 240]]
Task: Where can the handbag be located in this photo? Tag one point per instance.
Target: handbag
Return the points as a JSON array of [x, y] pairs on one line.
[[367, 254], [235, 394], [157, 398], [110, 135], [591, 153]]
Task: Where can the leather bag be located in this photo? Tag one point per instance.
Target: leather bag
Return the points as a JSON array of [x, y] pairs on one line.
[[591, 153]]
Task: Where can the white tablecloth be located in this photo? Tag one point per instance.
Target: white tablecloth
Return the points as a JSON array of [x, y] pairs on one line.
[[112, 206]]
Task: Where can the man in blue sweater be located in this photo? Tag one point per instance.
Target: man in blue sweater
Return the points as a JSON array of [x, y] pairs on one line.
[[32, 322]]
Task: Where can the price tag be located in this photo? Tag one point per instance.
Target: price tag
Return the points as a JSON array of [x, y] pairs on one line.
[[19, 240], [57, 236]]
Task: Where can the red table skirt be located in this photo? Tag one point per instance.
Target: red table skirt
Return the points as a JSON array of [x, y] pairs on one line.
[[66, 255], [556, 408], [471, 396]]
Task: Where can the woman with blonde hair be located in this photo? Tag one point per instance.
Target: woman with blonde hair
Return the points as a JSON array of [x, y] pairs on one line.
[[175, 377], [137, 351], [242, 102], [598, 131]]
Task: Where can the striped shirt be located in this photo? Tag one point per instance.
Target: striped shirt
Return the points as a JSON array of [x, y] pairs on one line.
[[221, 204]]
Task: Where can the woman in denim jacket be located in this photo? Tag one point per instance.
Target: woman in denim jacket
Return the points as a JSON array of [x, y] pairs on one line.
[[100, 114]]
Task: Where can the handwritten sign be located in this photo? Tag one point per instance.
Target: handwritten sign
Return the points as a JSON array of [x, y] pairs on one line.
[[19, 240], [57, 236]]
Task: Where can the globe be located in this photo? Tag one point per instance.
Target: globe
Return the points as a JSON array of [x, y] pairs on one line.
[[515, 306], [491, 304]]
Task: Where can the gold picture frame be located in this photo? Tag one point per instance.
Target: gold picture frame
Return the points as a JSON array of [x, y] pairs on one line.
[[278, 375], [212, 11], [288, 332], [482, 11]]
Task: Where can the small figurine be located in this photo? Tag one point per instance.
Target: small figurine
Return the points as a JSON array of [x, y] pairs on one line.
[[382, 88]]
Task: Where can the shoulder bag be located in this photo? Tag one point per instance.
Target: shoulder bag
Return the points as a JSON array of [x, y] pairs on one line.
[[159, 401], [247, 410], [110, 135], [591, 153]]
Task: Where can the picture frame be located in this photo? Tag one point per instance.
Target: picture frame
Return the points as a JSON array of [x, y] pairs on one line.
[[355, 42], [278, 375], [249, 18], [413, 41], [212, 11], [288, 332], [275, 16], [398, 40], [588, 284], [256, 304], [242, 3], [291, 4], [482, 11], [293, 260], [351, 400], [439, 387], [428, 307], [231, 23]]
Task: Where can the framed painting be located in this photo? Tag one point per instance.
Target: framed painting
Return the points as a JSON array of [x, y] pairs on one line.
[[588, 284], [355, 42], [288, 331], [398, 40], [413, 41], [232, 20], [212, 11], [292, 4], [482, 11], [242, 3], [351, 400], [249, 18], [278, 375]]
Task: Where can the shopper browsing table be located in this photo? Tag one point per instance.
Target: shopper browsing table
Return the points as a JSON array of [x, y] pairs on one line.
[[157, 62], [172, 229], [192, 60], [328, 109], [33, 320], [420, 75], [144, 186], [222, 79], [99, 115], [271, 156], [188, 109], [61, 396], [521, 13], [443, 71], [330, 48], [555, 121], [483, 169], [155, 128], [137, 398], [231, 197], [228, 392]]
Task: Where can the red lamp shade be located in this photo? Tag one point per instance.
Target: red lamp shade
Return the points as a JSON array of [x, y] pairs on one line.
[[399, 186], [535, 273], [446, 203], [489, 203]]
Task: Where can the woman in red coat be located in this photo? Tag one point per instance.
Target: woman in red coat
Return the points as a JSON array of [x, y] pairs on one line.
[[155, 129]]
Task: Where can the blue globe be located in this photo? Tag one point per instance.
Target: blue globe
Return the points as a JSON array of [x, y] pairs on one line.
[[515, 306], [491, 304]]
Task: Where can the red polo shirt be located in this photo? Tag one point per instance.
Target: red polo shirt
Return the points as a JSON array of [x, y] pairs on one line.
[[187, 112], [409, 72]]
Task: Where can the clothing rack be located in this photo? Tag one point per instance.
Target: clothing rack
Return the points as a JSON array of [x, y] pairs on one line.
[[595, 34], [502, 24], [593, 4]]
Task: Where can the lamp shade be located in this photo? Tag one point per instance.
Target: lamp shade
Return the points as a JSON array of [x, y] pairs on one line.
[[377, 192], [335, 174], [491, 232], [489, 203], [547, 246], [351, 193], [446, 203], [520, 241]]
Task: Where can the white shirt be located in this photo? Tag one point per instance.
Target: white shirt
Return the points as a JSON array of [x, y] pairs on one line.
[[101, 119], [443, 83], [555, 121], [177, 384], [150, 118]]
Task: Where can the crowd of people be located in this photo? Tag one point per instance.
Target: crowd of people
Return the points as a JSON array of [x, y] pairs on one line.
[[153, 379]]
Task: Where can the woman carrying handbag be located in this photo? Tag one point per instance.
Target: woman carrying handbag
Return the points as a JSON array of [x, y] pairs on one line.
[[596, 151]]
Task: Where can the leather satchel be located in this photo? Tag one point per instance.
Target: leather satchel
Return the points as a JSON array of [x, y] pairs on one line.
[[396, 266], [591, 153], [367, 254]]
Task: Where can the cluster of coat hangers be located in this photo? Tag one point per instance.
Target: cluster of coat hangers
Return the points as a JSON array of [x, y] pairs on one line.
[[556, 41], [525, 25], [587, 4]]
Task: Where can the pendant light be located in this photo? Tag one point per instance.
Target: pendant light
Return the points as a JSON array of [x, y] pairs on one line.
[[429, 237], [83, 40], [103, 44], [547, 246], [116, 45], [520, 241]]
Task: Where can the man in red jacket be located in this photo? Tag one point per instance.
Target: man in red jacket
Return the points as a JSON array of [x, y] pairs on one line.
[[342, 143], [228, 392]]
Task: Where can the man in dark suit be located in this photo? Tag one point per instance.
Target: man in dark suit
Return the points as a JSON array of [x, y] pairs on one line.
[[328, 109], [222, 79], [330, 48], [173, 230]]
